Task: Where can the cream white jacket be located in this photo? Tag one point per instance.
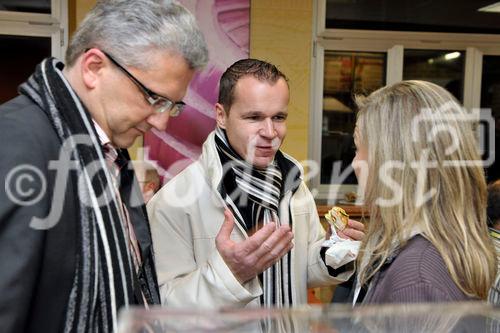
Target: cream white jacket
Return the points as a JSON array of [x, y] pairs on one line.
[[186, 215]]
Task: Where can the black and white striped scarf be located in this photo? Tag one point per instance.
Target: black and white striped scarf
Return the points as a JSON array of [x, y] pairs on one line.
[[104, 277], [254, 195]]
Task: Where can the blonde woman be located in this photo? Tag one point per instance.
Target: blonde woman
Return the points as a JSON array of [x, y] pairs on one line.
[[424, 186]]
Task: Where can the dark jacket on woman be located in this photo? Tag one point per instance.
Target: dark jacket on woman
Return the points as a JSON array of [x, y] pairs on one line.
[[417, 274]]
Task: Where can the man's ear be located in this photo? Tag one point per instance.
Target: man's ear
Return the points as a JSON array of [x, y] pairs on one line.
[[93, 63], [220, 115]]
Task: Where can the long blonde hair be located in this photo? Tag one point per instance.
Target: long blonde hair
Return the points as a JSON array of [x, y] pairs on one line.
[[429, 139]]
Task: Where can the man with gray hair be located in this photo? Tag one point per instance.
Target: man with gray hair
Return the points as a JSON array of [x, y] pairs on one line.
[[74, 236]]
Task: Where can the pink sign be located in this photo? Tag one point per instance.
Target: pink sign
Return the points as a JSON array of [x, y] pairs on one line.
[[225, 25]]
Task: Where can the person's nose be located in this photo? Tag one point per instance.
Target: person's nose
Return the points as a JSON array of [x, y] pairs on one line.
[[158, 120], [267, 130]]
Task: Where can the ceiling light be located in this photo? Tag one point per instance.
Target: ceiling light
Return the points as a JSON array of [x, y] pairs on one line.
[[452, 55], [493, 8]]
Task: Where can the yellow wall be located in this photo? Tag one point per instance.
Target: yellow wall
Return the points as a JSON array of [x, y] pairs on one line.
[[281, 33], [83, 6], [77, 11]]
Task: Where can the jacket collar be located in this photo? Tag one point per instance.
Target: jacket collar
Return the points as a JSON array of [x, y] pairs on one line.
[[211, 163]]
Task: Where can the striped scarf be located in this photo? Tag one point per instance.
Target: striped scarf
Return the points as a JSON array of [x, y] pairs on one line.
[[254, 196], [104, 276], [494, 294]]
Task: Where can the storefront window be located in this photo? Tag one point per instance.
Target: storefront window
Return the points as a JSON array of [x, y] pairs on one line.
[[32, 6], [490, 98], [462, 16], [18, 57], [444, 68], [345, 75]]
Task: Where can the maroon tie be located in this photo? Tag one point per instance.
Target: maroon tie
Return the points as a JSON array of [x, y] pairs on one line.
[[111, 159], [111, 156]]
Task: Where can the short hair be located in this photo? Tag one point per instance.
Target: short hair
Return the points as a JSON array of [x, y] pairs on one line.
[[130, 30], [412, 125], [493, 210], [146, 171], [259, 69]]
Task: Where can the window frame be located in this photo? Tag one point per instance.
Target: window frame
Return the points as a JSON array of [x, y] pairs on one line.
[[393, 43], [53, 26]]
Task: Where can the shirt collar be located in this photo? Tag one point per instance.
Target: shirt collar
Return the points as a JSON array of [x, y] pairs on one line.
[[103, 138]]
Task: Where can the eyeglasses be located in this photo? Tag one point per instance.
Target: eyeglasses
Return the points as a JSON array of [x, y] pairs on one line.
[[160, 103]]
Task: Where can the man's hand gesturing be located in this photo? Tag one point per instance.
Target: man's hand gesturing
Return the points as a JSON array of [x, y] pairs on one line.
[[252, 256]]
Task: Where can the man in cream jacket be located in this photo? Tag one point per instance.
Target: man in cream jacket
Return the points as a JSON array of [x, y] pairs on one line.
[[239, 227]]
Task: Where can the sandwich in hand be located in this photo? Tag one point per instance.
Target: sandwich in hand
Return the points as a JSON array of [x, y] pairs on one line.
[[337, 217]]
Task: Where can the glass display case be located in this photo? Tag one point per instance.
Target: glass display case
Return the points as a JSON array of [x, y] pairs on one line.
[[450, 317]]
